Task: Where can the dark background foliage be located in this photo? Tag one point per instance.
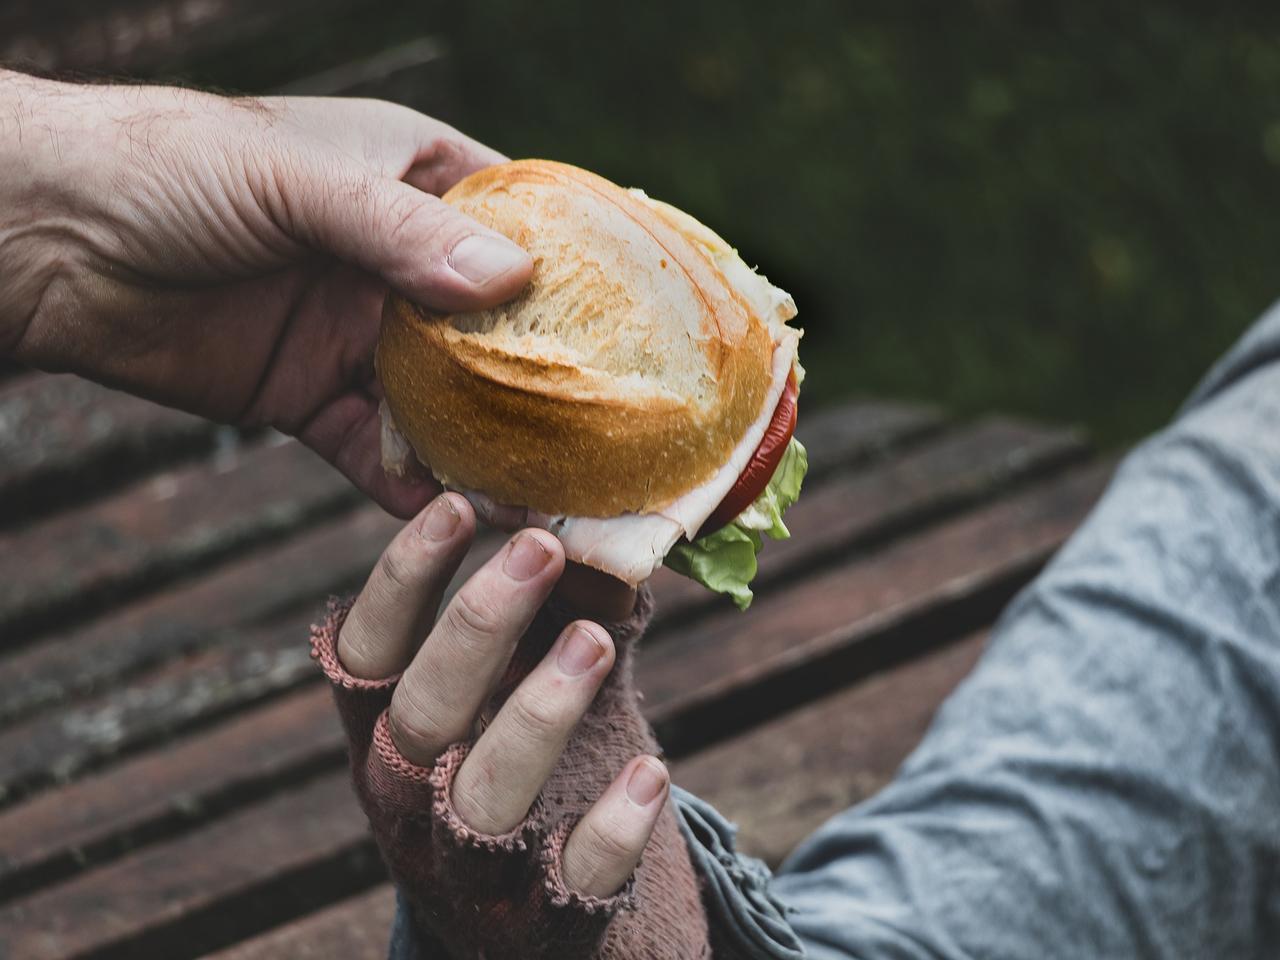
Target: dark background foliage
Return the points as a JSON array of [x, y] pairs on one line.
[[1067, 210]]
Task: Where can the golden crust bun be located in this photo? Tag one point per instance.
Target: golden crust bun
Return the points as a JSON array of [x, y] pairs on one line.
[[621, 377]]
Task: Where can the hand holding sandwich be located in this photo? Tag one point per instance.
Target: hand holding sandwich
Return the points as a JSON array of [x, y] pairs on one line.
[[231, 256]]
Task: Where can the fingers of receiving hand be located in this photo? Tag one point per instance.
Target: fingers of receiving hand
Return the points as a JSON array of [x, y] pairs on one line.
[[605, 847], [506, 769], [394, 610], [437, 700]]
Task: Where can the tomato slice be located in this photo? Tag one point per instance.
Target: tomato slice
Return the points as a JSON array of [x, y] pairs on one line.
[[764, 462]]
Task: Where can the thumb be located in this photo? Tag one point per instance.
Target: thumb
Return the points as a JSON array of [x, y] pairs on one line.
[[422, 247]]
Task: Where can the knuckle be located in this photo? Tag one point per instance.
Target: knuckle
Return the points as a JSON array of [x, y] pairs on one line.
[[400, 216], [356, 642], [471, 619], [606, 845], [356, 184], [415, 730], [397, 569], [537, 717], [478, 804]]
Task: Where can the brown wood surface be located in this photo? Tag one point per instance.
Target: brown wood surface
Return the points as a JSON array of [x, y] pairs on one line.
[[206, 888], [232, 765], [243, 669], [97, 818], [859, 615], [778, 783], [354, 929], [136, 711], [335, 558], [164, 526], [856, 509], [142, 900], [298, 573], [63, 440], [854, 434]]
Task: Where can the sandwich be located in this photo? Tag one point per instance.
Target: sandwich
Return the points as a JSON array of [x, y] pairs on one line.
[[638, 399]]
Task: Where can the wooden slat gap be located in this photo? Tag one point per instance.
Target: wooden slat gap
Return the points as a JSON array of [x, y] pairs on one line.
[[931, 612], [895, 638], [60, 611], [230, 645], [1070, 450], [181, 817], [755, 692], [261, 587]]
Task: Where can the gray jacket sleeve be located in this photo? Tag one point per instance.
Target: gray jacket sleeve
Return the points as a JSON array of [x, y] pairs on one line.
[[1106, 783]]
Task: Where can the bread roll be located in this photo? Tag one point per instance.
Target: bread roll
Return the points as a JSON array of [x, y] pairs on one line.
[[621, 378]]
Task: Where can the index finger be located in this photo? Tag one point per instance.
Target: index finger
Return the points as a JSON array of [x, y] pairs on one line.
[[463, 658]]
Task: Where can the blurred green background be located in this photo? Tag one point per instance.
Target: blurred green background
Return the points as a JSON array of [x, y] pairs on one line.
[[1064, 210]]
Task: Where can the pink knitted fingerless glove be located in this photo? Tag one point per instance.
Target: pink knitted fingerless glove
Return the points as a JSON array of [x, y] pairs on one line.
[[504, 896]]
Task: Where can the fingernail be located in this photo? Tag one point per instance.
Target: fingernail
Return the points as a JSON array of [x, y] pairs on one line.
[[579, 653], [441, 520], [648, 779], [525, 558], [483, 257]]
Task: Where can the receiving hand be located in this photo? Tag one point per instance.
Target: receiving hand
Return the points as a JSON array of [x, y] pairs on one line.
[[448, 678], [230, 256]]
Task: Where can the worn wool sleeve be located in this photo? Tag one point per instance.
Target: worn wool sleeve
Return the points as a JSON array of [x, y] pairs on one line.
[[473, 895]]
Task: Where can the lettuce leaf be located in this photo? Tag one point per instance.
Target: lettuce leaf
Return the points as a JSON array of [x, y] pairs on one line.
[[725, 561]]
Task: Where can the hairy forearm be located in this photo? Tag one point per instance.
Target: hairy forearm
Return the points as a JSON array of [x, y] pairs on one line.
[[28, 263], [89, 175], [48, 137]]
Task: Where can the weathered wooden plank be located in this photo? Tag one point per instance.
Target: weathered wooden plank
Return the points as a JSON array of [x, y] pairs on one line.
[[853, 434], [299, 849], [55, 747], [783, 779], [857, 510], [76, 562], [243, 669], [53, 668], [337, 557], [850, 618], [334, 557], [690, 672], [779, 782], [353, 929], [915, 579], [63, 439], [156, 794]]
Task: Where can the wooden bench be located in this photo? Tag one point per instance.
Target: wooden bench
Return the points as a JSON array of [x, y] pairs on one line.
[[172, 779]]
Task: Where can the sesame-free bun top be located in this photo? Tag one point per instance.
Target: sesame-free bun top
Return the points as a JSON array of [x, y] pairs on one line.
[[622, 377]]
